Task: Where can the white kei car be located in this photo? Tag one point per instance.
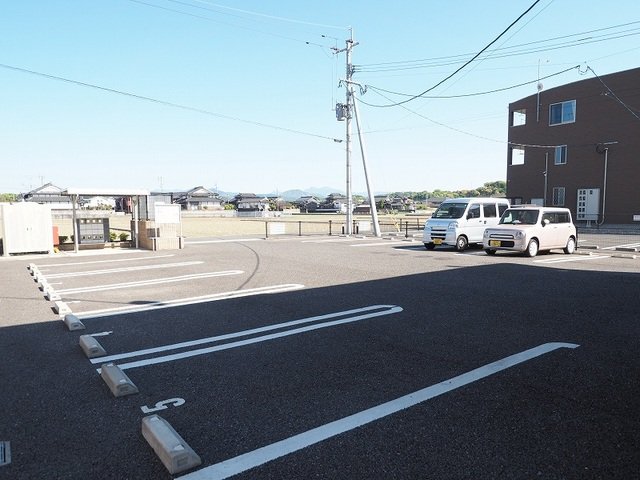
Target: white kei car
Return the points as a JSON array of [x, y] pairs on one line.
[[530, 229]]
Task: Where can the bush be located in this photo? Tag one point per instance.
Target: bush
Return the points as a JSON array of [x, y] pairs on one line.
[[62, 239], [124, 237], [112, 236]]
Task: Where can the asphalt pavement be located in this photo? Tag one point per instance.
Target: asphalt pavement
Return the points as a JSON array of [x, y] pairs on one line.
[[317, 357]]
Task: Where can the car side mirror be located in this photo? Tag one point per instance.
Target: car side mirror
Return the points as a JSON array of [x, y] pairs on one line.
[[545, 222]]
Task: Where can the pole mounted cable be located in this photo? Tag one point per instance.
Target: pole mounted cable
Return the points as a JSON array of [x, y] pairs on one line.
[[164, 102], [466, 63]]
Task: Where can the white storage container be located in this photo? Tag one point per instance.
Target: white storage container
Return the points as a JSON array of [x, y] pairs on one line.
[[25, 228]]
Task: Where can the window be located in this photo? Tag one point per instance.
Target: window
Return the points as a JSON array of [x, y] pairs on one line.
[[548, 216], [560, 157], [474, 211], [518, 117], [489, 210], [564, 112], [558, 196], [517, 156]]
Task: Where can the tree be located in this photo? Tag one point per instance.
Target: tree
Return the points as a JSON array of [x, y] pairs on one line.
[[497, 188], [7, 197]]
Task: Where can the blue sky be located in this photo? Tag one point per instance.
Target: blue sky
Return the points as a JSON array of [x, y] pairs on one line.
[[259, 81]]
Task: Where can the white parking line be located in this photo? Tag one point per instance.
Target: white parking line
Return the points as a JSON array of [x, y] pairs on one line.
[[189, 301], [260, 456], [571, 258], [242, 333], [148, 257], [383, 243], [232, 240], [389, 309], [334, 240], [144, 283], [123, 269], [626, 245]]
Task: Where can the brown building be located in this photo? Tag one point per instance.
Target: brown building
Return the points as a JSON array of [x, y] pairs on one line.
[[578, 146]]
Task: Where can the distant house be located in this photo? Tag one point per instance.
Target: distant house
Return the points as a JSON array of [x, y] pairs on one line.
[[362, 209], [48, 194], [250, 202], [199, 198], [278, 203], [395, 203], [434, 202], [335, 202], [307, 203], [100, 203]]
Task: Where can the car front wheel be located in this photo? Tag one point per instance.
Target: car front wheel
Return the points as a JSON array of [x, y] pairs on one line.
[[429, 246], [488, 251], [571, 246], [532, 248], [461, 243]]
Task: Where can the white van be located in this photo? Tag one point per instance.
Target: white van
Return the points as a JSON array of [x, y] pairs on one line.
[[460, 222]]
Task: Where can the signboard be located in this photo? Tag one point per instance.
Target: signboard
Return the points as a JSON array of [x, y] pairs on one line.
[[167, 213], [276, 228]]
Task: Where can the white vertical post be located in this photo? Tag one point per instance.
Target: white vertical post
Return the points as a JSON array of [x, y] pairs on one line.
[[372, 201], [74, 204]]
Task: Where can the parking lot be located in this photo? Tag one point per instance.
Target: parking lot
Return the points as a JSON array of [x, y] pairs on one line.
[[324, 357]]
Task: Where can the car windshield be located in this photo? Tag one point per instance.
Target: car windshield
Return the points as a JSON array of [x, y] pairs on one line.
[[516, 217], [450, 210]]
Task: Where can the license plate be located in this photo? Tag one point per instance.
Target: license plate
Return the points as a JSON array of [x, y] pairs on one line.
[[494, 243], [437, 241]]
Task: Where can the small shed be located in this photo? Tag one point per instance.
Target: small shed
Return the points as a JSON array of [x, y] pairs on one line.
[[134, 194]]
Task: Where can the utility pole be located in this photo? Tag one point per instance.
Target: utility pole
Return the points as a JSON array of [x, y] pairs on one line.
[[372, 200], [344, 112]]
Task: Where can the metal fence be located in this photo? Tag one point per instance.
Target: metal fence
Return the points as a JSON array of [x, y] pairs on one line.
[[401, 227], [625, 238]]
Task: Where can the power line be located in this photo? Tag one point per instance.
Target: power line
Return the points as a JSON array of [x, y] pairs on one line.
[[454, 59], [435, 121], [271, 17], [609, 91], [165, 103], [468, 62], [209, 19], [377, 89]]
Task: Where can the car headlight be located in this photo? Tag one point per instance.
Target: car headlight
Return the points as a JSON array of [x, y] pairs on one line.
[[519, 234], [453, 225], [486, 234]]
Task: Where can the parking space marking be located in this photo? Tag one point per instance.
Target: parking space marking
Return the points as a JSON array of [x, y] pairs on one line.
[[287, 287], [626, 245], [233, 240], [334, 240], [124, 269], [573, 258], [147, 257], [243, 333], [387, 310], [260, 456], [144, 283], [379, 243]]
